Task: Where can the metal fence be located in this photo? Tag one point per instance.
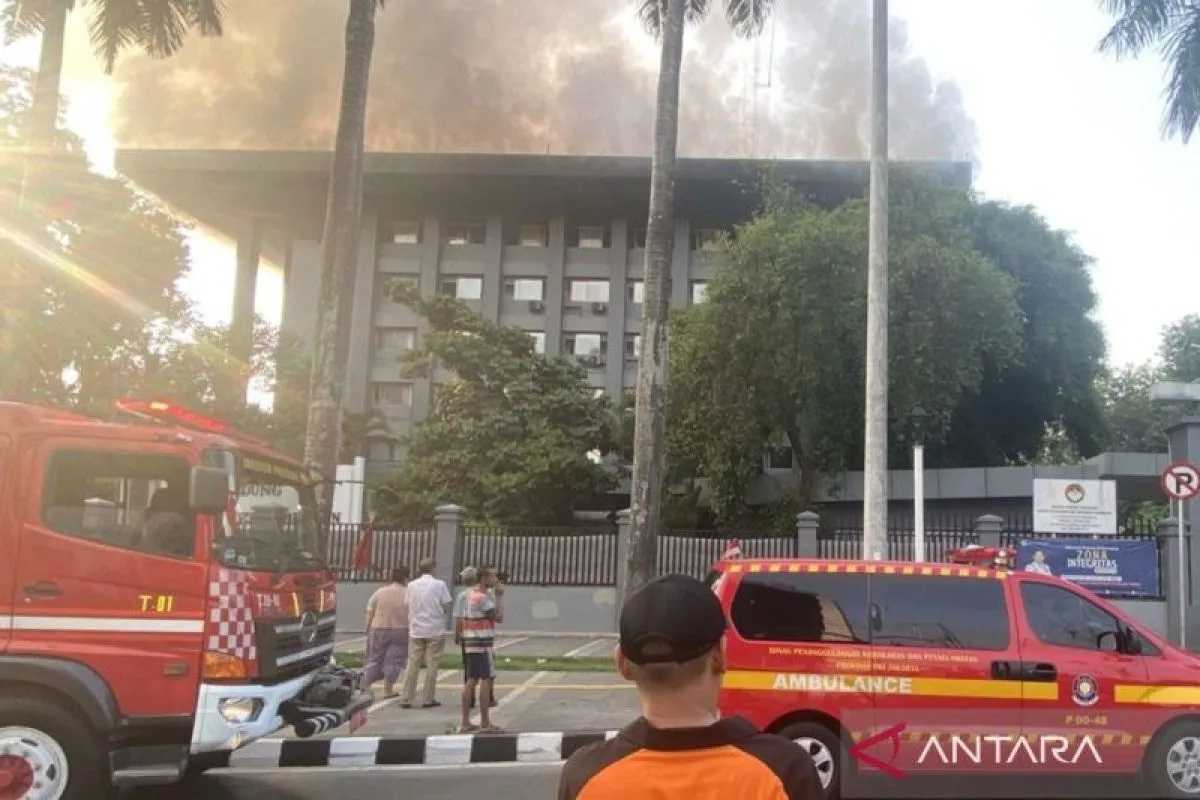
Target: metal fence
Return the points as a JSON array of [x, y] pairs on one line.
[[543, 556], [690, 552], [390, 547]]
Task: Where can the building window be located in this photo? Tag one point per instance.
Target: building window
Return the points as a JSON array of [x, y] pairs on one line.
[[395, 338], [699, 292], [466, 233], [462, 288], [382, 451], [707, 239], [637, 239], [633, 345], [951, 613], [588, 291], [590, 348], [802, 607], [404, 232], [591, 237], [392, 394], [532, 236], [635, 292], [1062, 618], [525, 288], [539, 341]]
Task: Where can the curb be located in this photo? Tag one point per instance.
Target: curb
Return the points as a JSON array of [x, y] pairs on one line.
[[370, 751]]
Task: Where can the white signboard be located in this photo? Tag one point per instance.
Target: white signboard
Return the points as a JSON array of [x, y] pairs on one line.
[[1074, 506]]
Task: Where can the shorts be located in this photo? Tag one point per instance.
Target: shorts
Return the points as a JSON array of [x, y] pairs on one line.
[[479, 666]]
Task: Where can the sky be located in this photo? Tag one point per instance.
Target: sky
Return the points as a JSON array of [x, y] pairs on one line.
[[1060, 126]]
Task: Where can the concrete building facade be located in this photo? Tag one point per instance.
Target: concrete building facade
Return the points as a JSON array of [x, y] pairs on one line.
[[553, 245]]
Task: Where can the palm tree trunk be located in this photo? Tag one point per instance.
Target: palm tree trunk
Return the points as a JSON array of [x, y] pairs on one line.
[[875, 446], [43, 118], [339, 246], [649, 438]]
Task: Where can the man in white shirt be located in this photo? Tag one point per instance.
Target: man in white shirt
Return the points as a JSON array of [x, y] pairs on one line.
[[428, 602]]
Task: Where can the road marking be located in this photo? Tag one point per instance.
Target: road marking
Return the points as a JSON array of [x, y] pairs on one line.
[[353, 642], [520, 690], [578, 651], [257, 770], [507, 642]]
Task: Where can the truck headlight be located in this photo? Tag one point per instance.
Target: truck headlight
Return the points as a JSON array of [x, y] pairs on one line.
[[239, 710]]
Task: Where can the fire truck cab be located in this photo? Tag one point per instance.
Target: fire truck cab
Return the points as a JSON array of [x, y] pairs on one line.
[[163, 597]]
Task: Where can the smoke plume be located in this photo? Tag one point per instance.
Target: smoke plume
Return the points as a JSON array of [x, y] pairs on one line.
[[539, 76]]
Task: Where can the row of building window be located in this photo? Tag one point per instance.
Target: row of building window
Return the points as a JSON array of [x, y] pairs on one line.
[[585, 237], [579, 290], [585, 346]]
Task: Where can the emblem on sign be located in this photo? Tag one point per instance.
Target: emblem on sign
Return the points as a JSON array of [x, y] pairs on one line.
[[1075, 493], [1085, 691]]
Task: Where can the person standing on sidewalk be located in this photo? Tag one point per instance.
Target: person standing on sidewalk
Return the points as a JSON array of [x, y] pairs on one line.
[[428, 602], [387, 632], [672, 648], [484, 607]]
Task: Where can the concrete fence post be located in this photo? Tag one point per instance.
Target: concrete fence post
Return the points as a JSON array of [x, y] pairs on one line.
[[448, 520], [807, 523], [624, 524], [1168, 549], [988, 530]]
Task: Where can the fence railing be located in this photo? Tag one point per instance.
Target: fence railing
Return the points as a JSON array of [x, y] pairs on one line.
[[390, 547], [694, 552], [543, 556]]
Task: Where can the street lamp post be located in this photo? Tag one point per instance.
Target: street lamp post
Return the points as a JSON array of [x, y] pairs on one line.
[[918, 416]]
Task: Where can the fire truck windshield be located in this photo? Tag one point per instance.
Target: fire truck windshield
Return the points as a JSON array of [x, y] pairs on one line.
[[276, 515]]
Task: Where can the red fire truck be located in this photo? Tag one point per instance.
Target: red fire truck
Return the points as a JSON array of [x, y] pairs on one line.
[[163, 599]]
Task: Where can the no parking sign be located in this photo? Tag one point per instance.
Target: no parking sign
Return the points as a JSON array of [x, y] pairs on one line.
[[1181, 481]]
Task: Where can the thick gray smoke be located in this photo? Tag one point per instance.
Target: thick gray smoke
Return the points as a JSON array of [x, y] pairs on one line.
[[537, 76]]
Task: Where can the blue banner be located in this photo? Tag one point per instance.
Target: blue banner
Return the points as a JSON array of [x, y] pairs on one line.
[[1109, 567]]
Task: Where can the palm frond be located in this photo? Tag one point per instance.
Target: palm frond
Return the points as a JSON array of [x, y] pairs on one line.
[[163, 26], [206, 15], [1139, 24], [1181, 50], [747, 17], [21, 18], [115, 25], [157, 26], [651, 13]]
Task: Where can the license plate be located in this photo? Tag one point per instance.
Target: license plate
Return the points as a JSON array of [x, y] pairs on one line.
[[357, 720]]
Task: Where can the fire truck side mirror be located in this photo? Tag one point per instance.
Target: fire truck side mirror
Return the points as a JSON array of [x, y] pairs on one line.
[[208, 490]]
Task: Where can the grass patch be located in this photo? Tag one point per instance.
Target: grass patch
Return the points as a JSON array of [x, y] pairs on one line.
[[510, 663]]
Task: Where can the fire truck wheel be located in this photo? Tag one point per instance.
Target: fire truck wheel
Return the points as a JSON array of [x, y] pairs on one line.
[[1173, 761], [824, 747], [50, 749]]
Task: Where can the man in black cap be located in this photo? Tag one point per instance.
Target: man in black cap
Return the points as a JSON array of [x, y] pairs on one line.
[[671, 647]]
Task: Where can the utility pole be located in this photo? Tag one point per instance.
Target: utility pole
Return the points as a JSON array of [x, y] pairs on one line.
[[875, 467]]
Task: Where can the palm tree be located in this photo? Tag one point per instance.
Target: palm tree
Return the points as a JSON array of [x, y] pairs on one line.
[[156, 26], [665, 20], [1173, 26], [339, 250]]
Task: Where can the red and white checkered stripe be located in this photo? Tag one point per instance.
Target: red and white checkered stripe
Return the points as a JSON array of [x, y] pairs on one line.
[[230, 616]]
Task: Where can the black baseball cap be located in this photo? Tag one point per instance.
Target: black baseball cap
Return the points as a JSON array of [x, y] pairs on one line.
[[677, 611]]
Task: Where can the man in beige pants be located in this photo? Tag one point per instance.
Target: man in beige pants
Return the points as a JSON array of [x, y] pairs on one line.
[[428, 601]]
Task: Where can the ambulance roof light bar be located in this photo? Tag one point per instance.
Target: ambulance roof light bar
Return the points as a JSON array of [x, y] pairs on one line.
[[980, 556]]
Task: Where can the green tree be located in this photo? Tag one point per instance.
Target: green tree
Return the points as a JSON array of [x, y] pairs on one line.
[[156, 26], [509, 437], [1133, 422], [777, 351], [1173, 27], [1052, 386], [665, 20], [1179, 349], [339, 248]]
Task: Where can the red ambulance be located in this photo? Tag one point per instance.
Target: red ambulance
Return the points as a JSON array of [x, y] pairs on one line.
[[955, 670], [163, 597]]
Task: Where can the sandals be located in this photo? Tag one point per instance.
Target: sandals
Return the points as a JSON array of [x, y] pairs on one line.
[[468, 729]]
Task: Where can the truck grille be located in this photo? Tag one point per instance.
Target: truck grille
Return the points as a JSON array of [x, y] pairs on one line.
[[291, 647]]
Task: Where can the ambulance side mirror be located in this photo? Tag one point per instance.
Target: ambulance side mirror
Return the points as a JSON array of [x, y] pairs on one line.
[[1132, 642], [208, 490]]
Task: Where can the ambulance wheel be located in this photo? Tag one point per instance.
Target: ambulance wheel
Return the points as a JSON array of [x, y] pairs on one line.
[[1173, 761], [48, 753], [824, 748]]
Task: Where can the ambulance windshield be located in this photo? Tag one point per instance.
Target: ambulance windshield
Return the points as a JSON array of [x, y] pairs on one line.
[[276, 516]]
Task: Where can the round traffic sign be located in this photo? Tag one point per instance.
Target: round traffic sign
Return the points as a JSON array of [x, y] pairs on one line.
[[1181, 480]]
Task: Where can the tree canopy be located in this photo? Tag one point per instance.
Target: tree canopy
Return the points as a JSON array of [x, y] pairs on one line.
[[775, 354], [509, 433]]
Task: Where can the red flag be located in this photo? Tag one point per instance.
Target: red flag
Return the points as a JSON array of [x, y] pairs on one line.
[[362, 551]]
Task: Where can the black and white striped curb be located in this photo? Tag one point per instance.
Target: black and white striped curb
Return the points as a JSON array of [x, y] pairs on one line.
[[369, 751]]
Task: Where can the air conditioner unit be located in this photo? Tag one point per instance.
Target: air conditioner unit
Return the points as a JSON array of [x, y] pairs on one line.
[[537, 306], [599, 308]]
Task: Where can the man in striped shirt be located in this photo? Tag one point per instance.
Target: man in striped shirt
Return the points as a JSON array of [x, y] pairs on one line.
[[482, 609]]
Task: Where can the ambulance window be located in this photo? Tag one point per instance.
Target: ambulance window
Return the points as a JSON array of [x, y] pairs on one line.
[[801, 607], [956, 613], [134, 501], [1063, 618]]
